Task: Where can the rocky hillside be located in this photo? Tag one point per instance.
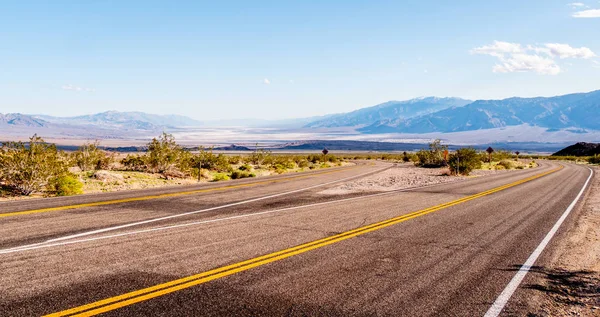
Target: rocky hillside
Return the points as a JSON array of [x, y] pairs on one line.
[[580, 149]]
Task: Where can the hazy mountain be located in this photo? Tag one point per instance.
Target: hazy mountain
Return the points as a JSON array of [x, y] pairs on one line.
[[391, 110], [127, 120], [579, 111], [17, 119]]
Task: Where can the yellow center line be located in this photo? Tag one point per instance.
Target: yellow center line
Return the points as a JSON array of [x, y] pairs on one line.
[[130, 298], [149, 197]]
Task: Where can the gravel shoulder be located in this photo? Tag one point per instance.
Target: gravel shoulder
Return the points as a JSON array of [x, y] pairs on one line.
[[570, 284]]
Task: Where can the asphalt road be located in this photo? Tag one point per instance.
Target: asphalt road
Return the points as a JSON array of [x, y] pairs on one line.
[[278, 247]]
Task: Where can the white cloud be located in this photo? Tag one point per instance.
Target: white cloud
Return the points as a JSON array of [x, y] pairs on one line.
[[575, 5], [527, 63], [498, 49], [75, 88], [566, 51], [266, 81], [592, 13], [514, 57]]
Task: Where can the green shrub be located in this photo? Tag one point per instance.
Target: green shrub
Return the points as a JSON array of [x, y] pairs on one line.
[[434, 157], [303, 163], [245, 167], [30, 168], [236, 159], [89, 157], [134, 163], [241, 174], [464, 161], [594, 159], [66, 185], [506, 164], [163, 153], [220, 177]]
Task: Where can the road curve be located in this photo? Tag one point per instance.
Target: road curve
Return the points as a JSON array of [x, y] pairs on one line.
[[445, 250]]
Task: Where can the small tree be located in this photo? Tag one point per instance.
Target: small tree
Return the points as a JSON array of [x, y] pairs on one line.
[[258, 156], [90, 157], [517, 154], [30, 168], [434, 157], [464, 161], [163, 153]]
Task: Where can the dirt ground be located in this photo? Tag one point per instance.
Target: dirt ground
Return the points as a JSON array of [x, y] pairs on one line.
[[570, 285], [405, 175]]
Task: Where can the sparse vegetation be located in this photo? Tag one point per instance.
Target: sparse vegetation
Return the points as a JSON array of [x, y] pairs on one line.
[[464, 161], [29, 168], [40, 168], [434, 157]]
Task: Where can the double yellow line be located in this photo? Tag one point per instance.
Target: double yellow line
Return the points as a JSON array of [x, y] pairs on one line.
[[191, 192], [127, 299]]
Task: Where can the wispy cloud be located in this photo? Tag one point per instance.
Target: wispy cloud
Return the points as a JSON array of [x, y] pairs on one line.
[[576, 5], [591, 13], [266, 81], [76, 88], [514, 57]]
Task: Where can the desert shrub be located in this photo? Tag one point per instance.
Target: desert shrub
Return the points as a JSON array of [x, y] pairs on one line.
[[241, 174], [65, 185], [313, 158], [499, 155], [464, 161], [163, 153], [220, 177], [405, 157], [303, 163], [235, 159], [245, 167], [283, 163], [434, 157], [206, 159], [506, 164], [134, 163], [259, 156], [90, 157], [594, 159], [330, 158], [30, 168]]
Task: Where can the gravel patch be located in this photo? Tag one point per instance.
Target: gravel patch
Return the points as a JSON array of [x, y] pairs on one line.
[[400, 177]]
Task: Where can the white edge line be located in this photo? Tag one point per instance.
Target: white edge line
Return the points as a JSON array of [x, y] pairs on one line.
[[512, 286], [48, 243], [87, 233]]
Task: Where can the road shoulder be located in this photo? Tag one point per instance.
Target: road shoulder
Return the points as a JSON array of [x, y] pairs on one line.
[[568, 285]]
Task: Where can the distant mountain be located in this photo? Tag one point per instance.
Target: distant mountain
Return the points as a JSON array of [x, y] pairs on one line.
[[575, 111], [126, 120], [391, 110], [17, 119], [580, 149]]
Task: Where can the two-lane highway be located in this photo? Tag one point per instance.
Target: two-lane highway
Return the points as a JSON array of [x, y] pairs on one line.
[[445, 250]]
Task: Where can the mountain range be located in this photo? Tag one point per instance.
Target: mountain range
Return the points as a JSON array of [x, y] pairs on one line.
[[125, 120], [391, 110], [565, 117], [577, 112]]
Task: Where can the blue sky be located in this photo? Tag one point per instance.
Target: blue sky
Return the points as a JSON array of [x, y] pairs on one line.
[[282, 59]]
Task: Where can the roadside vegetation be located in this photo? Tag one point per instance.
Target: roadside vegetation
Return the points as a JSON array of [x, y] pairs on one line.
[[37, 168], [40, 169]]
